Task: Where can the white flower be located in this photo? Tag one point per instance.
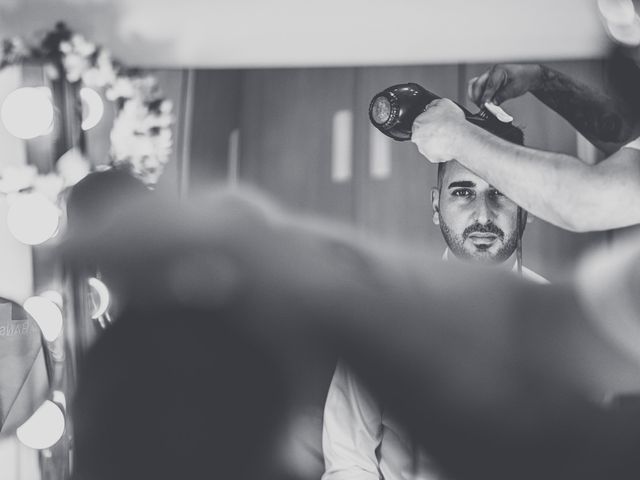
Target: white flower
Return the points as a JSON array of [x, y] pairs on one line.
[[140, 137], [49, 185], [149, 169], [14, 178], [156, 121], [163, 138], [163, 150], [122, 87], [102, 72], [82, 46], [51, 71], [142, 146], [72, 167], [146, 87], [14, 50], [75, 65], [92, 78], [104, 64], [166, 106], [65, 47]]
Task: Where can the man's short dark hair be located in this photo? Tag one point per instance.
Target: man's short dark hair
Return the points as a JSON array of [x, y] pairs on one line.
[[512, 134]]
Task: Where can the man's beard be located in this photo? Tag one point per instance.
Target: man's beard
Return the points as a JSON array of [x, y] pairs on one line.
[[456, 243]]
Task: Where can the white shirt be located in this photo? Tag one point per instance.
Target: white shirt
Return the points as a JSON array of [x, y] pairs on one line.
[[361, 442]]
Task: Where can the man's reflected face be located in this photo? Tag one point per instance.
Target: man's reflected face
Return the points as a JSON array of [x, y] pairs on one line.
[[477, 221]]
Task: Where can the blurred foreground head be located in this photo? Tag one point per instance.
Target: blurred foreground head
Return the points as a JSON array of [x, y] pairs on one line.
[[94, 201], [173, 393], [222, 292], [191, 380]]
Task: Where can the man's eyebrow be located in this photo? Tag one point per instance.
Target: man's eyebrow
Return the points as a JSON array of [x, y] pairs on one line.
[[463, 184]]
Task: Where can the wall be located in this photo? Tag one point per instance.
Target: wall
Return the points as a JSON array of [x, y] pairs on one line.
[[274, 33]]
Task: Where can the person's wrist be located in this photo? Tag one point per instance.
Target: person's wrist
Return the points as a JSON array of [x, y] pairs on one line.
[[540, 77]]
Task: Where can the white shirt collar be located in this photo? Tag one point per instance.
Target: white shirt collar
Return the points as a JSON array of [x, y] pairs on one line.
[[528, 274], [447, 253]]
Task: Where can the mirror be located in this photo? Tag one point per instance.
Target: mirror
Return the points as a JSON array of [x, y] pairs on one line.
[[24, 380], [303, 136]]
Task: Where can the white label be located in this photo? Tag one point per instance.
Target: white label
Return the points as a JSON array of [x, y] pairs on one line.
[[233, 153], [342, 146]]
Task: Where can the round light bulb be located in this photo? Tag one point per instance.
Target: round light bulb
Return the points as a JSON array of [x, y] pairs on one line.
[[620, 12], [27, 112], [44, 428], [47, 315], [627, 34], [92, 107], [32, 218], [100, 297]]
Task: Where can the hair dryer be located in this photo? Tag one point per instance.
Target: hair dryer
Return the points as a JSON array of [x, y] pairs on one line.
[[394, 110]]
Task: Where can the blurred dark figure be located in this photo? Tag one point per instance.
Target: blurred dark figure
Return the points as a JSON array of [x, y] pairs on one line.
[[497, 378], [178, 393], [93, 205], [90, 202]]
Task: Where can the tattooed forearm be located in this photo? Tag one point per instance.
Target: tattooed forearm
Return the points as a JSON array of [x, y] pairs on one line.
[[600, 118]]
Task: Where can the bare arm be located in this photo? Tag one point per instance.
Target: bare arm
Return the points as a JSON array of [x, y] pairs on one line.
[[559, 188], [603, 119], [555, 187]]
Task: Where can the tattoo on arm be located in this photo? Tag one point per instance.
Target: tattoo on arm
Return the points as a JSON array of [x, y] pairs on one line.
[[600, 118]]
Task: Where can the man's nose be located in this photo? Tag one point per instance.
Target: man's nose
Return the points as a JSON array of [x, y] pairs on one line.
[[484, 210]]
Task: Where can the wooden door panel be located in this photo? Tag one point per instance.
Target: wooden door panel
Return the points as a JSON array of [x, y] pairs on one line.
[[286, 136], [216, 103]]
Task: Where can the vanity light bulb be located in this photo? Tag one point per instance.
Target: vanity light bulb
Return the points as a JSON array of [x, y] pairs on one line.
[[47, 315], [28, 112], [44, 428], [100, 297], [92, 107], [32, 218], [619, 12], [628, 35]]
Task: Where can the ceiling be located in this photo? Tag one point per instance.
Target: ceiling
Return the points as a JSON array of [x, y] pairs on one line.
[[260, 33]]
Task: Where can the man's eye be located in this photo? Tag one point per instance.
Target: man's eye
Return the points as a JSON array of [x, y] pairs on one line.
[[496, 193], [462, 192]]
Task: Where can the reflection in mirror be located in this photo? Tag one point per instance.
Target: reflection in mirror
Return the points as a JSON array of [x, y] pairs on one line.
[[24, 381]]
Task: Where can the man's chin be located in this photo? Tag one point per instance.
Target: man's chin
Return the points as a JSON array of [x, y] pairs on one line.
[[483, 255], [479, 249]]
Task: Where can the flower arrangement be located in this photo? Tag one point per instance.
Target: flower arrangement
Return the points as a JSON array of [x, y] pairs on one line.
[[141, 137]]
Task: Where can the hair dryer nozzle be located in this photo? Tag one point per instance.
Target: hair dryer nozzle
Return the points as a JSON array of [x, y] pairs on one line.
[[393, 110]]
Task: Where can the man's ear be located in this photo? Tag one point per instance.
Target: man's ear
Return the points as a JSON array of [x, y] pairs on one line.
[[435, 204]]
